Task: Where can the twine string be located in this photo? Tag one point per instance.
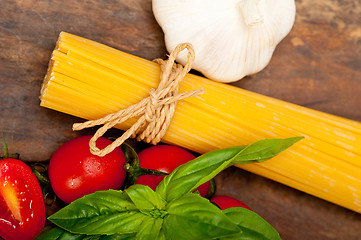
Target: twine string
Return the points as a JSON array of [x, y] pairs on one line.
[[155, 112]]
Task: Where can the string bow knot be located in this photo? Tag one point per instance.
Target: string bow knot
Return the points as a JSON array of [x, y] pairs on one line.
[[155, 112]]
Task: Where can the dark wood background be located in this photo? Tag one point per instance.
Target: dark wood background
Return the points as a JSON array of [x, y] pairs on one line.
[[318, 65]]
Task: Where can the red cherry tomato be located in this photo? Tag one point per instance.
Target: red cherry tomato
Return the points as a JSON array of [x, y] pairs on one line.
[[224, 202], [151, 181], [74, 171], [22, 208], [164, 158]]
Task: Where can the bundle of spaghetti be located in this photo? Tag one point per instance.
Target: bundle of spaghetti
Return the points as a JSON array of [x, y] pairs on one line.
[[90, 80]]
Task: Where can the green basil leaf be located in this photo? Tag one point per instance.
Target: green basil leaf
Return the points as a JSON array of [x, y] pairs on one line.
[[252, 225], [103, 212], [145, 198], [187, 177], [263, 150], [119, 237], [128, 236], [194, 217], [56, 233], [152, 230]]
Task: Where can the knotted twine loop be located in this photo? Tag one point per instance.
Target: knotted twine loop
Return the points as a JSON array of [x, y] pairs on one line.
[[155, 111]]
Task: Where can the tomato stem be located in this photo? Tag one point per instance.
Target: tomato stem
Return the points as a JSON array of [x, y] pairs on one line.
[[6, 150], [41, 172], [5, 146], [41, 178], [132, 167]]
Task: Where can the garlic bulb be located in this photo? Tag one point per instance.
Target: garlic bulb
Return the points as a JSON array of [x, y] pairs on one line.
[[231, 38]]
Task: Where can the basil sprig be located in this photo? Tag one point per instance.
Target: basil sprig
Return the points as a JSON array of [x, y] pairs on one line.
[[172, 211], [188, 177]]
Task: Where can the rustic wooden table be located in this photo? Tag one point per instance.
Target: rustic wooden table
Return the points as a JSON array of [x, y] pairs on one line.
[[318, 65]]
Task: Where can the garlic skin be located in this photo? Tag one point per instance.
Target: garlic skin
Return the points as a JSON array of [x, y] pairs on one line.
[[231, 38]]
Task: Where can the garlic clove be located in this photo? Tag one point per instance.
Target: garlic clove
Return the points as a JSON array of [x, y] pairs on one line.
[[231, 38]]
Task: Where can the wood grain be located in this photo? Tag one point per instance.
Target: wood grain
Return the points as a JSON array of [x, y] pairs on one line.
[[318, 65]]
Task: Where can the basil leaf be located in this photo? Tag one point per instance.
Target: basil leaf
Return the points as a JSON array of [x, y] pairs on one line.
[[263, 150], [56, 233], [252, 225], [50, 233], [194, 217], [151, 229], [145, 198], [194, 173], [187, 177], [104, 212]]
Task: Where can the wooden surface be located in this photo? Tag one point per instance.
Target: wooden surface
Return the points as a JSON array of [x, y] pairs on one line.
[[318, 65]]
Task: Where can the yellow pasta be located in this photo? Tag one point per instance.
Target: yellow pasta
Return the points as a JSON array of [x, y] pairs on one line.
[[90, 80]]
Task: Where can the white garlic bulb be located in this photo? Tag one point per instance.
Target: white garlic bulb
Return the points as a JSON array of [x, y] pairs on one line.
[[231, 38]]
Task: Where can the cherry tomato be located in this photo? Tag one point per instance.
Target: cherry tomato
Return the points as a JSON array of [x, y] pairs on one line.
[[224, 202], [74, 171], [22, 208], [164, 158]]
